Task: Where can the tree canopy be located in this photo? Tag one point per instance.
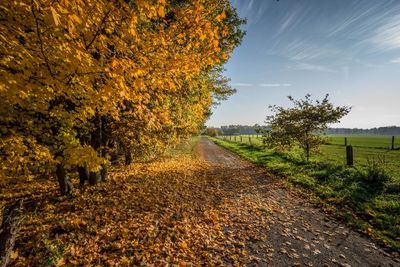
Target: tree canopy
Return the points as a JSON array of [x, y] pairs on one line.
[[84, 81], [302, 124]]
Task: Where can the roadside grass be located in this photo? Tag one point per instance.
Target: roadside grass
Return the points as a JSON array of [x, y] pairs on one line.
[[367, 196]]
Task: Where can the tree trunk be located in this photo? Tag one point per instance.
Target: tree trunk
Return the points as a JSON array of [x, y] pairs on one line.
[[95, 142], [128, 158], [63, 180], [12, 218], [94, 178], [104, 173], [83, 175], [114, 157]]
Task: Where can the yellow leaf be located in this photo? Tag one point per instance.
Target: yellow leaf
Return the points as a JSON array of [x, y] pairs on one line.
[[60, 262], [14, 255], [161, 11], [220, 17], [55, 15], [114, 63], [184, 245], [75, 18]]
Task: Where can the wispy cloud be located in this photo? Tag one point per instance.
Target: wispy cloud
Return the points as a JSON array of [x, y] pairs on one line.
[[252, 10], [396, 60], [291, 20], [241, 84], [274, 84], [357, 20], [302, 49], [311, 67], [387, 36], [318, 34]]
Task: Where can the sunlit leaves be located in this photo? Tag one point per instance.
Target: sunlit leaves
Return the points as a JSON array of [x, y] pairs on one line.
[[144, 66]]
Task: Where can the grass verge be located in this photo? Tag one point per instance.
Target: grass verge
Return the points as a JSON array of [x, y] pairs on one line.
[[367, 198]]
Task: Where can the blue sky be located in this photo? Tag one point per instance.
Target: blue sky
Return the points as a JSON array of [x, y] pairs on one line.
[[349, 49]]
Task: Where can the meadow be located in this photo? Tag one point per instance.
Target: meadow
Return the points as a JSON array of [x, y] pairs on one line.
[[365, 141], [366, 195], [367, 149]]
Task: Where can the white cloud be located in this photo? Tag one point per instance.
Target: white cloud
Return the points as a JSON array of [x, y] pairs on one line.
[[387, 36], [291, 19], [359, 21], [301, 49], [242, 84], [274, 84], [312, 67], [396, 60], [252, 10]]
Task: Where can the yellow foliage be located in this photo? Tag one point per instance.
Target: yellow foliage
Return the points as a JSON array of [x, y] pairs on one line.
[[83, 156], [66, 65]]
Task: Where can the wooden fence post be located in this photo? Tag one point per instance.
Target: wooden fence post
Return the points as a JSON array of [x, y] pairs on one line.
[[240, 139], [393, 142], [250, 140], [345, 141], [349, 155]]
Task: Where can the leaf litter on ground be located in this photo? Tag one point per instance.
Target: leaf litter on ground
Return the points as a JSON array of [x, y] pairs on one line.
[[175, 211]]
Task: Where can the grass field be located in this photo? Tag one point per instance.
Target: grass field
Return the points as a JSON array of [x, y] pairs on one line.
[[366, 149], [368, 141], [366, 195], [371, 141]]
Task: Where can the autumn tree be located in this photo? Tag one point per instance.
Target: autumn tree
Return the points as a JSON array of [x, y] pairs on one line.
[[302, 124], [213, 132], [80, 79]]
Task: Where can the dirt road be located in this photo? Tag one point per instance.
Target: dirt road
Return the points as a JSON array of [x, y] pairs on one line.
[[292, 232]]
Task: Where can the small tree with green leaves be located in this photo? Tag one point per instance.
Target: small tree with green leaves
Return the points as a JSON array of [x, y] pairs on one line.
[[302, 124]]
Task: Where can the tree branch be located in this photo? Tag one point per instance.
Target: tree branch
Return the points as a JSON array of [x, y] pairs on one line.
[[98, 29], [46, 60]]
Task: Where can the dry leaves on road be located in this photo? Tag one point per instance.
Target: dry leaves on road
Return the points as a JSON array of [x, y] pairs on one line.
[[178, 211]]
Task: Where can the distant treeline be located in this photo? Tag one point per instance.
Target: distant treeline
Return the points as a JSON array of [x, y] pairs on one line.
[[246, 129], [238, 129], [389, 130]]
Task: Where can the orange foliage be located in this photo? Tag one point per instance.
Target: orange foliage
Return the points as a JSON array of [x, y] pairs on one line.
[[81, 78]]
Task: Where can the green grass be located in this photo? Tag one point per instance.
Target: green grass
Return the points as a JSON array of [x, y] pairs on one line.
[[366, 149], [363, 156], [366, 196], [371, 141]]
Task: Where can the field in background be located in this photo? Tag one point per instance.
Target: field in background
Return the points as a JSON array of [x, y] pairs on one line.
[[366, 196], [371, 141], [366, 149]]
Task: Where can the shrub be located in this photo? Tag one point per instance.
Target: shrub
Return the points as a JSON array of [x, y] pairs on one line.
[[375, 174]]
